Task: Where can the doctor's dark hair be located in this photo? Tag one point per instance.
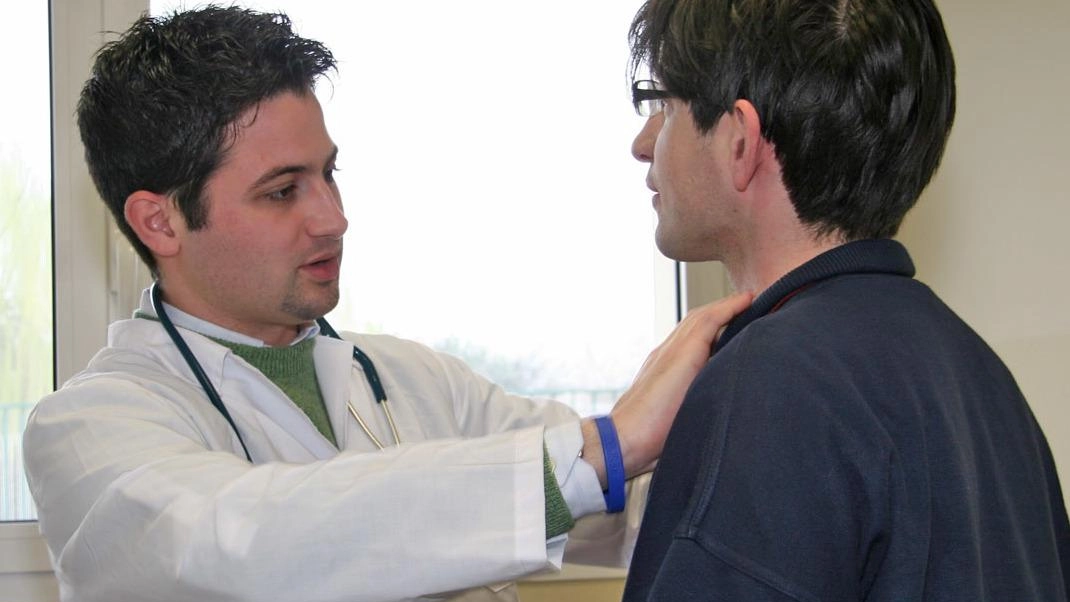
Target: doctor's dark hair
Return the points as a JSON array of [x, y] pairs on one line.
[[161, 106], [856, 96]]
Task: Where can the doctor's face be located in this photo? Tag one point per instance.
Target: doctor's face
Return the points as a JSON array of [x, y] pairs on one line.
[[267, 261]]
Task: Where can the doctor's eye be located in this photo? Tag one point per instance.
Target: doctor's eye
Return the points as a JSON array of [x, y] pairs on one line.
[[328, 174], [283, 194]]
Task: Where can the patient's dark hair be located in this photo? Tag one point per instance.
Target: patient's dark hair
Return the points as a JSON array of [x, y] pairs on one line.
[[160, 108], [856, 96]]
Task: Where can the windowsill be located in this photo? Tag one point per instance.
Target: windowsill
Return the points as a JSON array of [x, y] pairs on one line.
[[578, 572], [22, 549]]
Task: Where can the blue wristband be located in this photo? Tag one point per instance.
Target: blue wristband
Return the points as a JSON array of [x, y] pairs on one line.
[[614, 463]]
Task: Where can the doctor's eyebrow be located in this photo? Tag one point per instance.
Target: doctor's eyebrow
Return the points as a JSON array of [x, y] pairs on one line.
[[288, 169]]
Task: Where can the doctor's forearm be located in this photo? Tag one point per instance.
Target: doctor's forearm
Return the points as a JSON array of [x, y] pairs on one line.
[[592, 449]]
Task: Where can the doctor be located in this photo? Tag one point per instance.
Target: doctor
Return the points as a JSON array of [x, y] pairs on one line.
[[205, 140]]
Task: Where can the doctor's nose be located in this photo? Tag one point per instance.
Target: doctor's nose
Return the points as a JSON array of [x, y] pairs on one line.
[[643, 145], [326, 217]]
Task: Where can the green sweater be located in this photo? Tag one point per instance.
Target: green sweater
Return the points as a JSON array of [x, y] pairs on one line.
[[293, 370]]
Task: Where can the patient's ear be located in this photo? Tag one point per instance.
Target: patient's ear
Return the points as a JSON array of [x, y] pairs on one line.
[[749, 149], [156, 221]]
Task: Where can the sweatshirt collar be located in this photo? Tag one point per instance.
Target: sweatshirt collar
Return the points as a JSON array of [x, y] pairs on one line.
[[871, 256]]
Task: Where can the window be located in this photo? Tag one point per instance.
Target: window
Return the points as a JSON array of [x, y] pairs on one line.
[[25, 244], [495, 210]]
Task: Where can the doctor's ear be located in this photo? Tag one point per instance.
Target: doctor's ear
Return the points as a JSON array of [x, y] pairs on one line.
[[155, 219]]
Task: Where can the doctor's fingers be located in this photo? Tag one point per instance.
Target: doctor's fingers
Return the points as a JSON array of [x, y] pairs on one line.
[[646, 410], [692, 339]]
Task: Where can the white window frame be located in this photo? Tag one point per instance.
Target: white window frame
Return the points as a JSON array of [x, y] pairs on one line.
[[80, 251]]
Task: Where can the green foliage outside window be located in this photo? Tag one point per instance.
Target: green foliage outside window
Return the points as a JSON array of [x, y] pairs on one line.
[[25, 320], [25, 287]]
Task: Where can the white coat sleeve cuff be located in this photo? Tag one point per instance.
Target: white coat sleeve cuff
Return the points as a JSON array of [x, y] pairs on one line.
[[576, 478], [555, 551]]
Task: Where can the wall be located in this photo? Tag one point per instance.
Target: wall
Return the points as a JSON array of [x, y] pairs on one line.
[[989, 234]]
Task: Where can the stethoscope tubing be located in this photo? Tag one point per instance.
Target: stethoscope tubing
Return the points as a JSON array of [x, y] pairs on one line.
[[194, 365]]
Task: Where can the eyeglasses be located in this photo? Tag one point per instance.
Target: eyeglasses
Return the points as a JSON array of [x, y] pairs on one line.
[[648, 97]]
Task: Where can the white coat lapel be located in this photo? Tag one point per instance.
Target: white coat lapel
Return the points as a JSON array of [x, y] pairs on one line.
[[283, 427], [334, 365]]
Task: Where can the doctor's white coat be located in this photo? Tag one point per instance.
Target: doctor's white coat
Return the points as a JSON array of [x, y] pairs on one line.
[[144, 493]]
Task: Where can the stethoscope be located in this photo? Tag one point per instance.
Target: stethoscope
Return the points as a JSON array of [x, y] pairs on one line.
[[195, 366]]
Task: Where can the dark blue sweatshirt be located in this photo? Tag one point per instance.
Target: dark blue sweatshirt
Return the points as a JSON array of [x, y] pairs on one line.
[[853, 439]]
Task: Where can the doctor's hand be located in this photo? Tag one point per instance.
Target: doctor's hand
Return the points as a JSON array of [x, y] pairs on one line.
[[645, 412]]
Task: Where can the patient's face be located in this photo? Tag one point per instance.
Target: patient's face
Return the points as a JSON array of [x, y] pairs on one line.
[[689, 176]]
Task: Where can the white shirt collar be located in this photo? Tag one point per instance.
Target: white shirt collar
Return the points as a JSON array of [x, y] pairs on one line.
[[208, 329]]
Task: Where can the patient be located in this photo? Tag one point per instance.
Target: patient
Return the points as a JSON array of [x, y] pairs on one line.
[[852, 438]]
